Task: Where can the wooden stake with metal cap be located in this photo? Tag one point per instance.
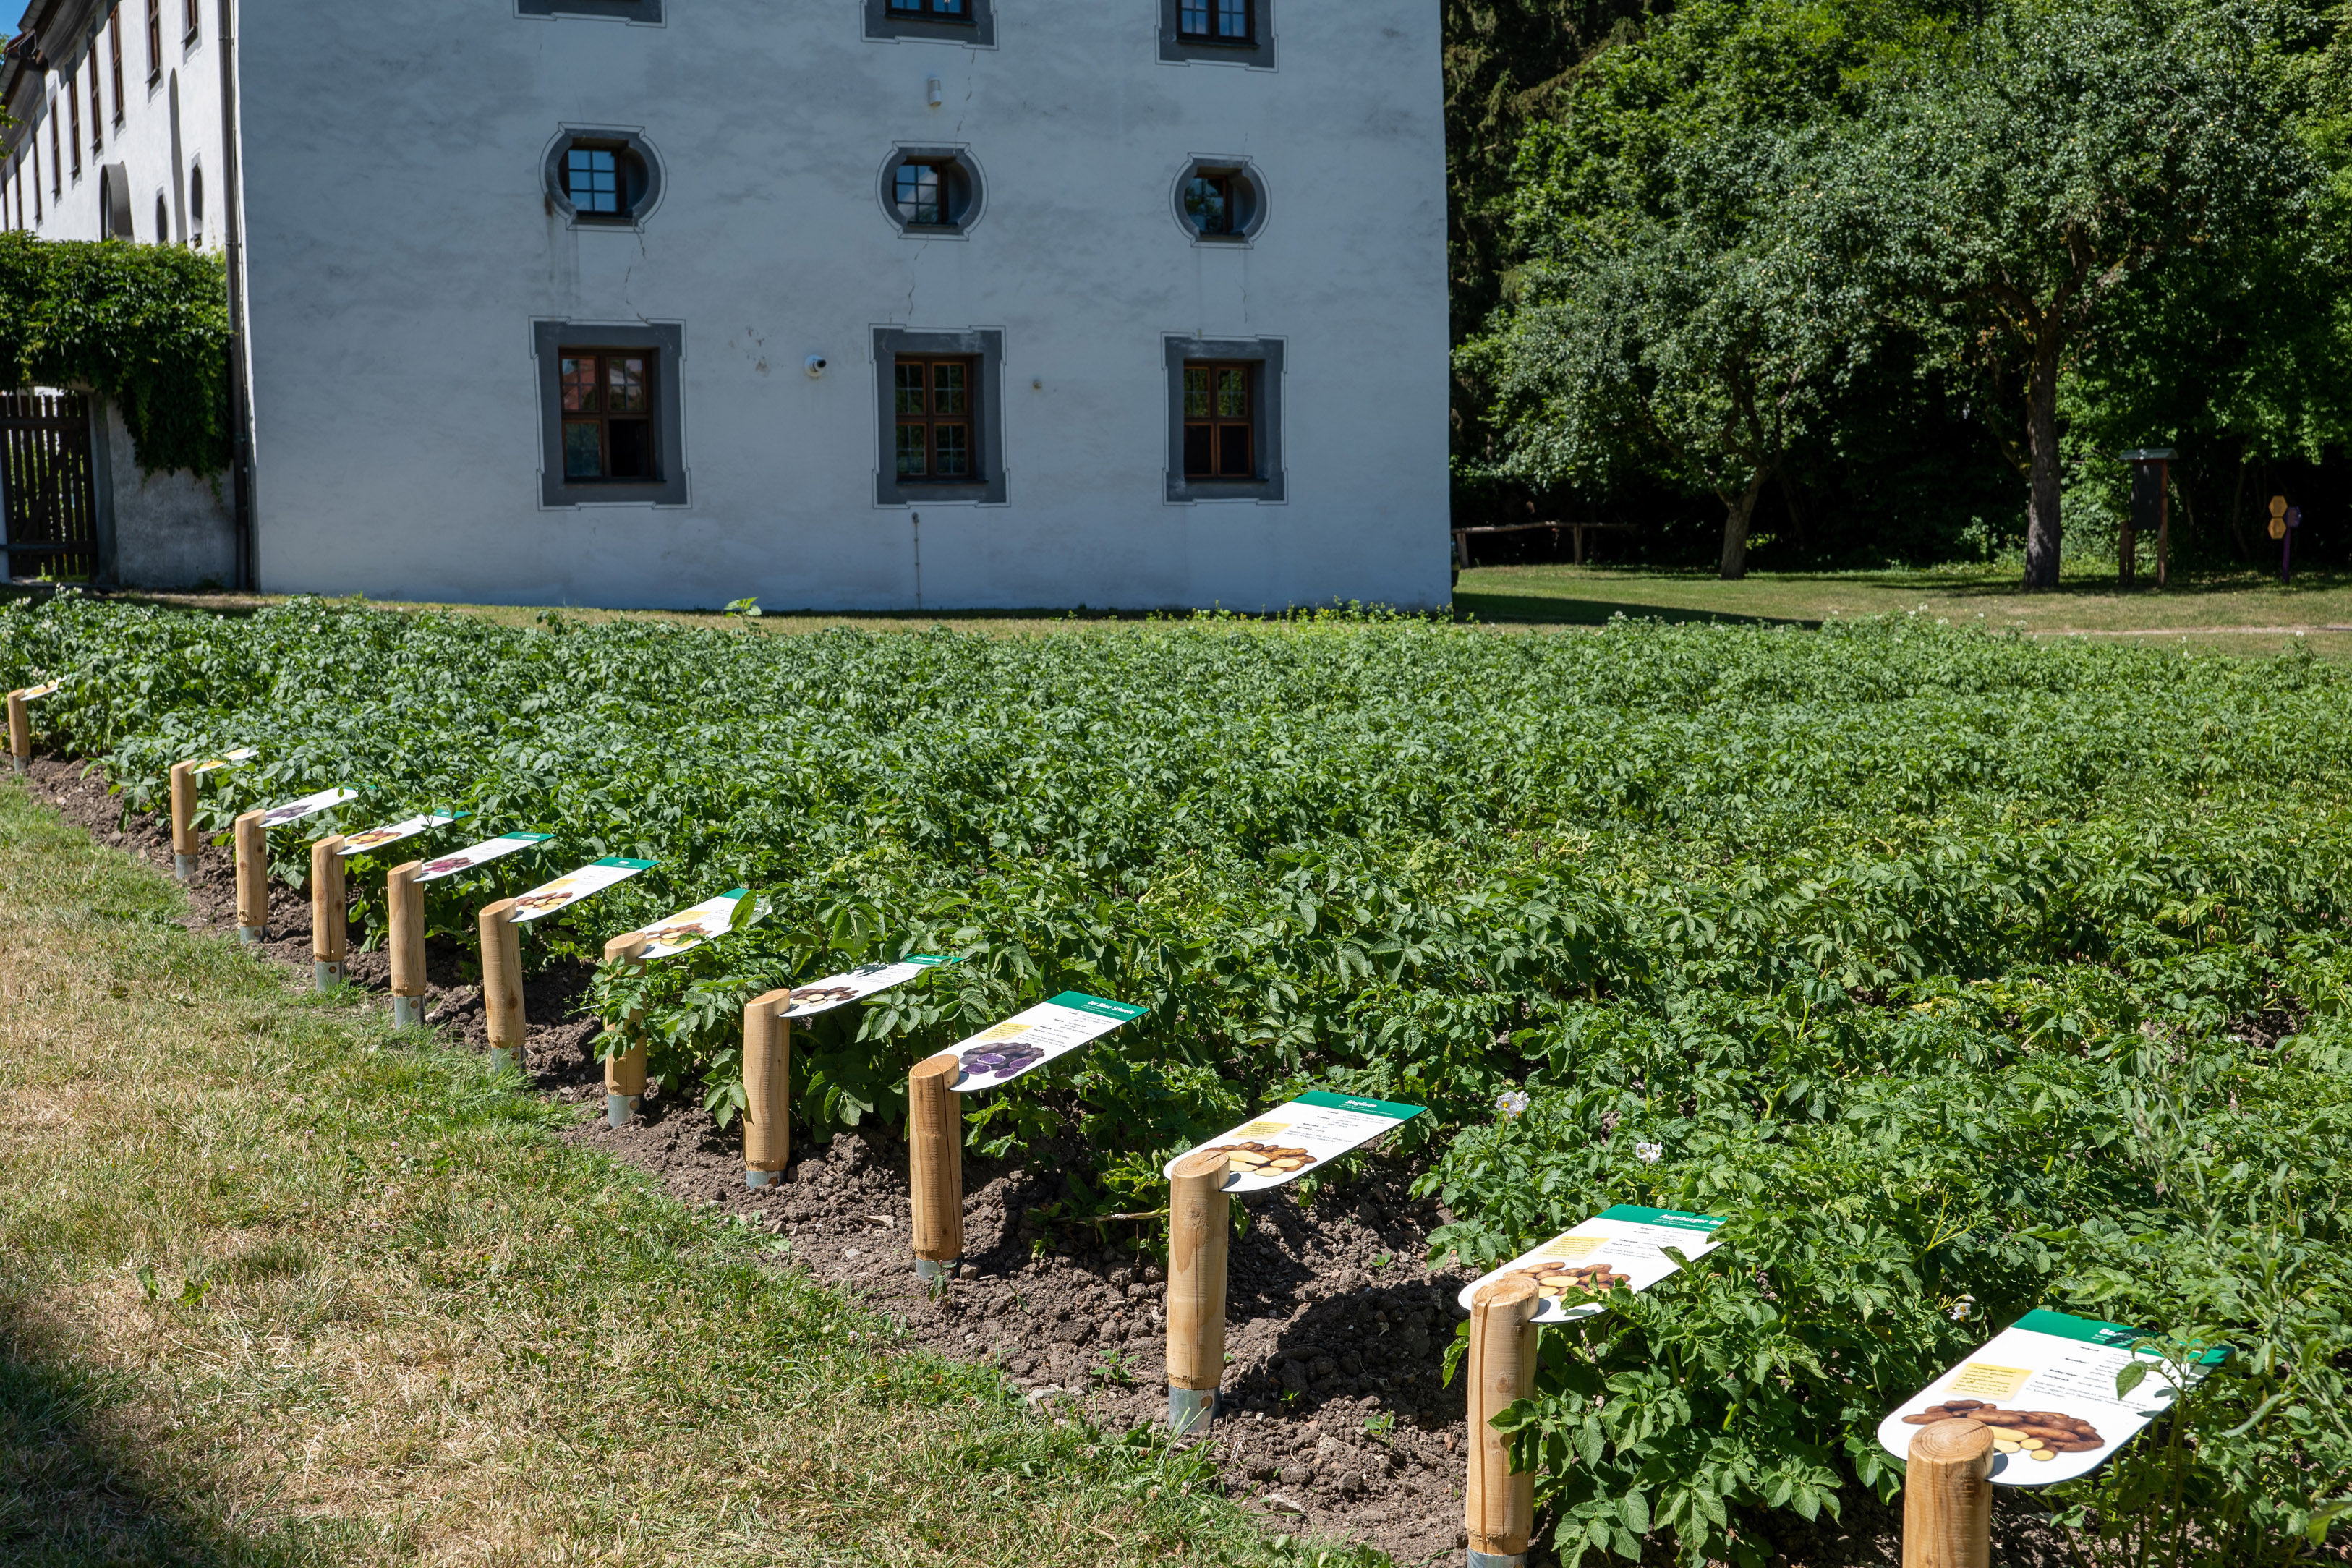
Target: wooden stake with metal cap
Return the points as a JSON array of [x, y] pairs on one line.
[[252, 878], [1498, 1506], [330, 912], [624, 1071], [935, 1165], [403, 897], [1199, 1223], [20, 730], [767, 1088], [183, 820], [1948, 1497], [502, 984]]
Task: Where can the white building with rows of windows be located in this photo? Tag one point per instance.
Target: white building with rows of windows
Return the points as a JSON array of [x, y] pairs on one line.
[[840, 304]]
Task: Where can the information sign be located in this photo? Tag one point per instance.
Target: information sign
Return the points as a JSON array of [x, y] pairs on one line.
[[2046, 1386], [309, 806], [1028, 1040], [837, 990], [34, 693], [481, 854], [241, 755], [693, 927], [1623, 1245], [1313, 1130], [392, 833], [567, 890]]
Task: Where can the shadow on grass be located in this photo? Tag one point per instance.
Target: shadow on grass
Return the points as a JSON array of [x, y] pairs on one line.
[[70, 1496], [1524, 607]]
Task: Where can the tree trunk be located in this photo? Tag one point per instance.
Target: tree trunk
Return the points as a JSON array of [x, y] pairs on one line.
[[1737, 515], [2041, 434]]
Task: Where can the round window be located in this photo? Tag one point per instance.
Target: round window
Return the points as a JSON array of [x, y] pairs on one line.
[[603, 177], [931, 191], [1220, 200]]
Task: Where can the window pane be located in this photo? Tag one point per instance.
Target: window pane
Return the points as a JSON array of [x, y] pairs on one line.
[[1193, 17], [1232, 18], [918, 193], [1233, 452], [593, 180], [579, 385], [1196, 393], [632, 444], [909, 388], [954, 444], [910, 452], [1204, 203], [948, 389], [1232, 394], [948, 7], [1197, 439], [626, 386], [584, 450]]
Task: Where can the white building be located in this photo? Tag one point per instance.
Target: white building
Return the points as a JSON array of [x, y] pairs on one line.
[[845, 304]]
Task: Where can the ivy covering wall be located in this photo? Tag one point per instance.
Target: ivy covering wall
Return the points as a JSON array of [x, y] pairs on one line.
[[145, 325]]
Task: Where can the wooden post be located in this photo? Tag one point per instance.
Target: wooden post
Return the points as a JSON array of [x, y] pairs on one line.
[[330, 912], [1948, 1497], [1498, 1508], [935, 1165], [252, 878], [404, 899], [767, 1090], [1200, 1222], [183, 820], [624, 1071], [20, 730], [2163, 520], [502, 984]]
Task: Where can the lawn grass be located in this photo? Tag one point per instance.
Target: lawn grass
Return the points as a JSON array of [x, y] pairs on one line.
[[278, 1286]]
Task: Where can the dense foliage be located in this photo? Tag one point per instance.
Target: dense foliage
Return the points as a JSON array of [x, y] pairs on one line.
[[1964, 974], [144, 325], [2074, 227]]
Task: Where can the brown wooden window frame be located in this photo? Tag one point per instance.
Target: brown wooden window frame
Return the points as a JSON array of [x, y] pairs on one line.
[[931, 419], [114, 36], [96, 103], [1213, 417], [155, 41], [73, 122], [645, 416], [195, 17]]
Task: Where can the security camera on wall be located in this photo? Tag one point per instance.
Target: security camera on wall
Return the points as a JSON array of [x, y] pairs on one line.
[[815, 367]]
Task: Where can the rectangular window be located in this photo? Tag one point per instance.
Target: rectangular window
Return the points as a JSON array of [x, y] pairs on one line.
[[96, 103], [1218, 422], [1215, 21], [114, 38], [196, 18], [937, 10], [608, 408], [73, 117], [154, 40], [592, 178], [56, 163], [934, 402]]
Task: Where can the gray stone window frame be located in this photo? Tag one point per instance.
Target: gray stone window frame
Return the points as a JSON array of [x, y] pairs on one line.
[[1266, 419], [665, 341], [1256, 205], [985, 344], [972, 209], [644, 13], [979, 33], [1176, 49], [631, 141]]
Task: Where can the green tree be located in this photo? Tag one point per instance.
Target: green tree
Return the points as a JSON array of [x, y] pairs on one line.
[[2017, 189]]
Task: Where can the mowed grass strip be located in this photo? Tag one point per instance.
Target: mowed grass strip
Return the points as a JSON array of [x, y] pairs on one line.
[[278, 1286]]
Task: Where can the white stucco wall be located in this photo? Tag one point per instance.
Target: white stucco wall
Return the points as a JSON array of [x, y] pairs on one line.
[[401, 247]]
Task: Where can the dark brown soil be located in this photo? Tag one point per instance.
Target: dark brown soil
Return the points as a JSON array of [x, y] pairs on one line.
[[1335, 1421]]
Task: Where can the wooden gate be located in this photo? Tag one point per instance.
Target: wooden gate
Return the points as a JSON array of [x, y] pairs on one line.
[[49, 494]]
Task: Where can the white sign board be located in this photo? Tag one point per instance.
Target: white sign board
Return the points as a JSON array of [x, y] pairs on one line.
[[567, 890], [394, 832], [241, 755], [692, 928], [2046, 1386], [1622, 1245], [309, 806], [34, 693], [1313, 1130], [481, 854], [837, 990], [1028, 1040]]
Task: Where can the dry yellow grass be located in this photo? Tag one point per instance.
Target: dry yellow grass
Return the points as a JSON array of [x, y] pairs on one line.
[[278, 1288]]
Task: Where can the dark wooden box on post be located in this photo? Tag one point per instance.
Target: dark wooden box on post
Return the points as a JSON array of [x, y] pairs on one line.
[[2151, 512]]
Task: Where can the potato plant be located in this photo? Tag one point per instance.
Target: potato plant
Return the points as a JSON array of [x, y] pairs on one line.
[[1964, 972]]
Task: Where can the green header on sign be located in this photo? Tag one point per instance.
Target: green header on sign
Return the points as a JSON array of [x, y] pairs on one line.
[[632, 865], [2092, 1332], [1080, 1001], [525, 837], [928, 958], [448, 816], [1325, 1099], [1674, 1218]]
